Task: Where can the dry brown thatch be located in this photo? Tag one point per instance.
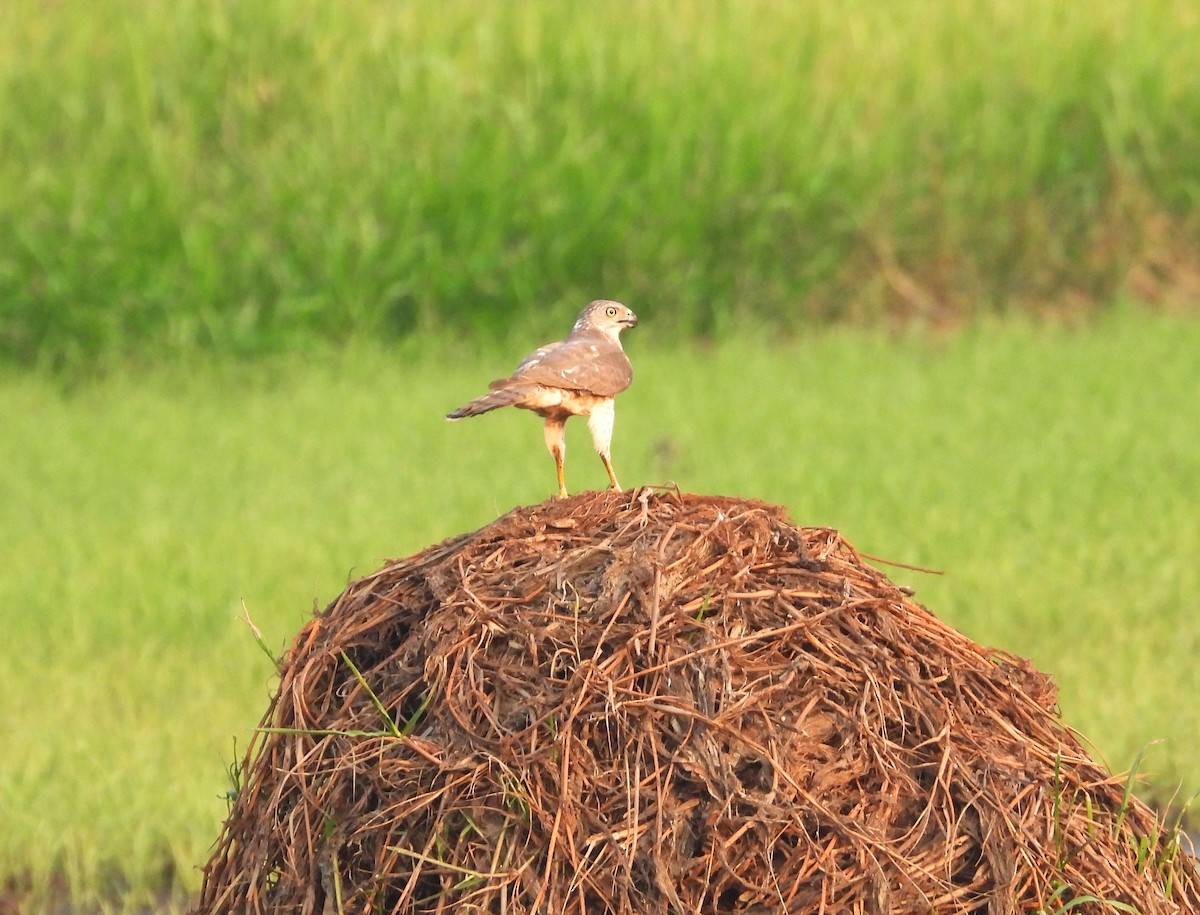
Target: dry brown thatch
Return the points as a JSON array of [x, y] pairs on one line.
[[649, 702]]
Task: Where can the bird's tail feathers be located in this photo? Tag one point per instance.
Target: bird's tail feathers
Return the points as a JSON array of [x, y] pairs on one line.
[[493, 400]]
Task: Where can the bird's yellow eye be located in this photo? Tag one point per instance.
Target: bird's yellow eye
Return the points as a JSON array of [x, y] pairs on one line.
[[610, 311]]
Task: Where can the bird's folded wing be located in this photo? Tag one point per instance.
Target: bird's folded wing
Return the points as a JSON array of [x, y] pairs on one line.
[[579, 366]]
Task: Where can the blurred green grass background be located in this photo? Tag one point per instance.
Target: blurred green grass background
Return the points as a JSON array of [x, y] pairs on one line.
[[1053, 475], [249, 176], [250, 253]]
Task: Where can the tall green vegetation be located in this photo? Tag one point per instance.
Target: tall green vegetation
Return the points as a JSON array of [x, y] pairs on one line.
[[242, 176]]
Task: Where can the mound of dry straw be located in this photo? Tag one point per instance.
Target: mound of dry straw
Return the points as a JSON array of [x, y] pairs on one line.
[[644, 702]]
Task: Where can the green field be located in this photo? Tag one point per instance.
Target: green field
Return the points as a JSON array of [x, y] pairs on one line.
[[246, 177], [1052, 473]]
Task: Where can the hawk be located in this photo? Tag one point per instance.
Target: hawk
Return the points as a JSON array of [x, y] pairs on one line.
[[580, 375]]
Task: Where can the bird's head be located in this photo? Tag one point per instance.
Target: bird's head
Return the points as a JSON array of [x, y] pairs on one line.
[[604, 317]]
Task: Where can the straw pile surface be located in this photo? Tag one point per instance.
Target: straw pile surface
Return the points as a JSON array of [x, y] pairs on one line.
[[645, 702]]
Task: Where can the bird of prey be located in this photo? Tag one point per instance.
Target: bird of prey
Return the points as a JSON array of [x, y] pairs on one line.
[[577, 376]]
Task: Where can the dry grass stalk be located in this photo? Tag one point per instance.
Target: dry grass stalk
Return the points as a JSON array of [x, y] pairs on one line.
[[628, 703]]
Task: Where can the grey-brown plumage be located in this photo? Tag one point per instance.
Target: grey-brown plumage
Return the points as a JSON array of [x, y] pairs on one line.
[[577, 376]]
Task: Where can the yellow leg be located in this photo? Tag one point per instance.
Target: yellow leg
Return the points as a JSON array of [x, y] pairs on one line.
[[616, 487], [557, 445], [600, 422], [562, 482]]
